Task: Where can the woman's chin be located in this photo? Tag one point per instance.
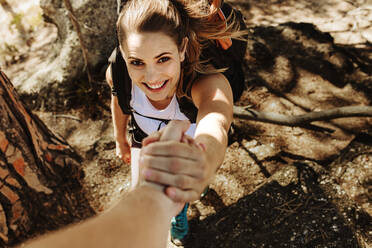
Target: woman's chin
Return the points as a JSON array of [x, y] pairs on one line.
[[160, 102]]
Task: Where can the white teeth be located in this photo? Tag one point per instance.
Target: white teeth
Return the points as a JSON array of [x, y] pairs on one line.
[[156, 86]]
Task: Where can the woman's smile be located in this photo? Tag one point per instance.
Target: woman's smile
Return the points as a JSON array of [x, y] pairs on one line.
[[155, 87]]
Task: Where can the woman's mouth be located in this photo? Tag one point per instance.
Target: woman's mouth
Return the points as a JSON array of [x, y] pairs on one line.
[[156, 86]]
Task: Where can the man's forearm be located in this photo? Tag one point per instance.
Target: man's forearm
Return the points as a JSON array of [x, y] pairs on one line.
[[141, 219]]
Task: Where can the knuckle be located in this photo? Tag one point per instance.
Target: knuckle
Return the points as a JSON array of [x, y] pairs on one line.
[[180, 182], [177, 196], [172, 147], [174, 166], [189, 151], [181, 198], [154, 176]]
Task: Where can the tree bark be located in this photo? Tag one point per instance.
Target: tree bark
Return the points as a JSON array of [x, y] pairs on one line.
[[40, 177]]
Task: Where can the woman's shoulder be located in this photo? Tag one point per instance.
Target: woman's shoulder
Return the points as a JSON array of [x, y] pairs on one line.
[[209, 81], [209, 85]]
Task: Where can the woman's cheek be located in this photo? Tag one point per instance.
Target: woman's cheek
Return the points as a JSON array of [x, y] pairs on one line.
[[133, 75], [174, 70]]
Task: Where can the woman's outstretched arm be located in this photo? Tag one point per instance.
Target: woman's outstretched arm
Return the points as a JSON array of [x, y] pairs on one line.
[[186, 169]]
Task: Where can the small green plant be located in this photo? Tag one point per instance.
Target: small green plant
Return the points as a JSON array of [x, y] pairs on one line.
[[17, 20], [35, 21]]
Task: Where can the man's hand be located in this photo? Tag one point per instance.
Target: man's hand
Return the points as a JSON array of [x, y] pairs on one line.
[[171, 158]]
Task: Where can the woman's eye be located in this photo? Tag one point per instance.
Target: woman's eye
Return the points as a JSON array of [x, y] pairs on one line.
[[164, 59], [136, 62]]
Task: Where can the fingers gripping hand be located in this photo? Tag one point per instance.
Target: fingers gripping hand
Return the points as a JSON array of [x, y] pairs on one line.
[[184, 172], [176, 161], [173, 131]]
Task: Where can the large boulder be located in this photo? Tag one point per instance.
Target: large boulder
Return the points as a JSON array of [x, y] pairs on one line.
[[65, 62]]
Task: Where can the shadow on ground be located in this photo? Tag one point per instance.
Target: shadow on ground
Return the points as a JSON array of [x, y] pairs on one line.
[[296, 215]]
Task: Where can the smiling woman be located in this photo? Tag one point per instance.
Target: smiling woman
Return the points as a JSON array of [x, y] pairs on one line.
[[153, 67], [176, 61]]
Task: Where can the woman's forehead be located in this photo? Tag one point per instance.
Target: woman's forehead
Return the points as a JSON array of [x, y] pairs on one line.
[[146, 43]]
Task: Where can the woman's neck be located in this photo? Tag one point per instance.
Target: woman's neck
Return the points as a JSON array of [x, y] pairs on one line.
[[162, 104]]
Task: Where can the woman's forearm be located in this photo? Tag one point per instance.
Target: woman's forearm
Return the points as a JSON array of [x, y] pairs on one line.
[[120, 120], [213, 97], [214, 138]]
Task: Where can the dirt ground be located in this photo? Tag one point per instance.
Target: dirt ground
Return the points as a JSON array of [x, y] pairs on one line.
[[278, 186]]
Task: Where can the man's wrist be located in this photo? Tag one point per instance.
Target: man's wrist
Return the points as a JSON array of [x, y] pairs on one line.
[[155, 196]]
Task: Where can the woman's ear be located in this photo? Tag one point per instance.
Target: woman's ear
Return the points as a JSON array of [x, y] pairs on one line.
[[184, 44]]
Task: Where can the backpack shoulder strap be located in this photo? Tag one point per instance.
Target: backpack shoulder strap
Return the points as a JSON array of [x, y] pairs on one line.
[[188, 109], [122, 84]]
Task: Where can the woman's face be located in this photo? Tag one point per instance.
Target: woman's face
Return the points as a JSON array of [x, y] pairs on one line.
[[154, 65]]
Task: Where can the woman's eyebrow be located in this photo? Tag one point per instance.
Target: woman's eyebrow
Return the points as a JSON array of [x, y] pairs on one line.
[[162, 54], [158, 56], [131, 57]]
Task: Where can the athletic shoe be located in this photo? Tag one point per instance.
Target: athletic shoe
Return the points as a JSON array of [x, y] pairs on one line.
[[179, 226]]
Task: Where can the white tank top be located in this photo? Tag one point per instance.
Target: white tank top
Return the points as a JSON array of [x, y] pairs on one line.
[[141, 104]]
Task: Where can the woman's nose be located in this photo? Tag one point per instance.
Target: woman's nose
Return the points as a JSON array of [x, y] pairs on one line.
[[151, 74]]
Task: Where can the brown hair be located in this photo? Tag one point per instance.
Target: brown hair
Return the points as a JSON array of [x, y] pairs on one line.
[[178, 19]]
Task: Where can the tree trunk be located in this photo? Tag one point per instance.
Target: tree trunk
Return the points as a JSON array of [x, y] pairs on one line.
[[40, 177]]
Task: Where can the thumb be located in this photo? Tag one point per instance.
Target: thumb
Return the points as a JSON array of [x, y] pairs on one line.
[[175, 130]]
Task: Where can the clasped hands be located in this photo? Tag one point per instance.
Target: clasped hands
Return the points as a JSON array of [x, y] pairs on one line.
[[175, 162]]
